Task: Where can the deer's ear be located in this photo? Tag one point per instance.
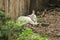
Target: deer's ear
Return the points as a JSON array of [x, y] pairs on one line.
[[33, 12]]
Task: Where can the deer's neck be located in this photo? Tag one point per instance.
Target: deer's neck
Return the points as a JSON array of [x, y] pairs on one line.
[[31, 18]]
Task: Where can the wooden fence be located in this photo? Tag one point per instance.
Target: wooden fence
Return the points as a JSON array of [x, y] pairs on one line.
[[15, 8]]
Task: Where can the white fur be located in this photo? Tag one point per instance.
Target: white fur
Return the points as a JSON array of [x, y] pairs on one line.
[[31, 19]]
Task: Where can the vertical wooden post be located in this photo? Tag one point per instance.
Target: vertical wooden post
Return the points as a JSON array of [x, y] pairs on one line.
[[1, 4], [27, 4], [12, 9], [6, 7], [24, 7], [21, 7], [17, 8]]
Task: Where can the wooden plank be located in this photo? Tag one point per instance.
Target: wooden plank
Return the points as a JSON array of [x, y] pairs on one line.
[[28, 5], [1, 4], [17, 8], [21, 7], [6, 7], [12, 9], [24, 7]]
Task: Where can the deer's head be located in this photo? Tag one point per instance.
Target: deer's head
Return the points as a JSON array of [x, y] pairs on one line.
[[33, 17]]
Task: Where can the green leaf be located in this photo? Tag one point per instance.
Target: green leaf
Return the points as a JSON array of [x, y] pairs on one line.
[[1, 34]]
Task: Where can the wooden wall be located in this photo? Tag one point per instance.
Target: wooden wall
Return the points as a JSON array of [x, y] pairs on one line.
[[15, 8], [1, 2]]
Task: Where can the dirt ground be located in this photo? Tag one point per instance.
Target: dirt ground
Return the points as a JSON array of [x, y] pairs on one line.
[[50, 24]]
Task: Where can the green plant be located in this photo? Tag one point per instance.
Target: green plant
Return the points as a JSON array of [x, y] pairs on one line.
[[3, 19], [11, 30], [28, 34]]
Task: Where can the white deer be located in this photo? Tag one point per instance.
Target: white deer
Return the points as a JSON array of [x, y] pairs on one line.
[[30, 19]]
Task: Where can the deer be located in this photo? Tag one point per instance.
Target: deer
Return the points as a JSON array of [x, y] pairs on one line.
[[29, 19]]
